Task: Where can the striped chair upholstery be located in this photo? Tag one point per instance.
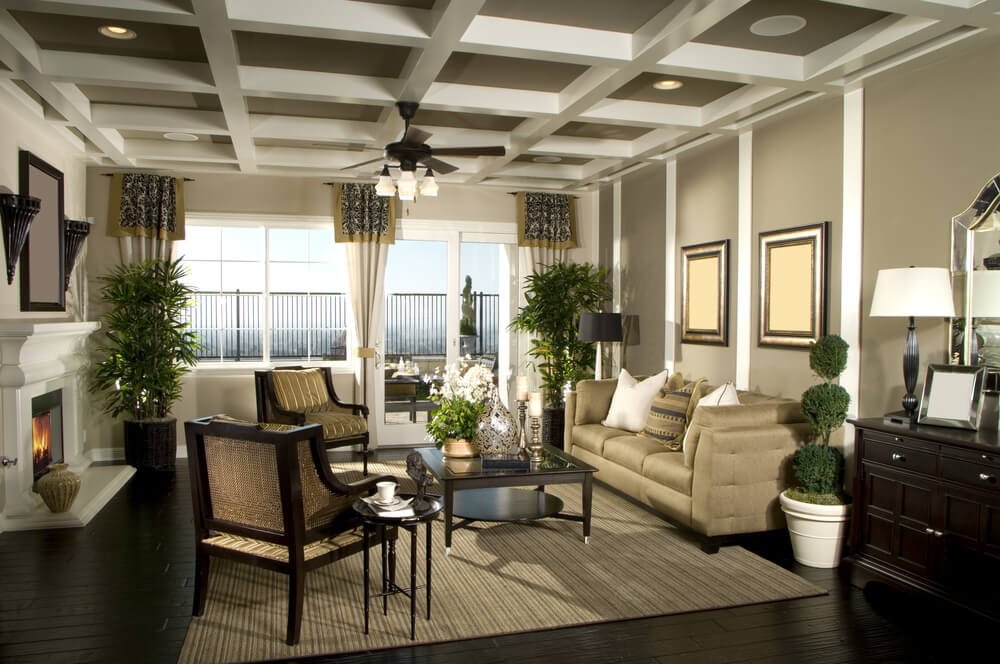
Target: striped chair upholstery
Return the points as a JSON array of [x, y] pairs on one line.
[[265, 495], [300, 396]]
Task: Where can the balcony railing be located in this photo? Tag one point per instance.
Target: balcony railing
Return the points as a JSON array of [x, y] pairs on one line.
[[314, 325]]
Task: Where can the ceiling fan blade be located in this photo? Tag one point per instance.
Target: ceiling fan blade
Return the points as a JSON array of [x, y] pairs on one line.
[[363, 163], [439, 166], [485, 151], [415, 136]]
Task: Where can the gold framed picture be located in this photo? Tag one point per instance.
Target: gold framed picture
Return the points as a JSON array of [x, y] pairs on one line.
[[705, 293], [793, 275]]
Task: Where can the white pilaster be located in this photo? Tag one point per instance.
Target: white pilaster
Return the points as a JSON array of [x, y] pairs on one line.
[[670, 267], [744, 258], [616, 267], [850, 261]]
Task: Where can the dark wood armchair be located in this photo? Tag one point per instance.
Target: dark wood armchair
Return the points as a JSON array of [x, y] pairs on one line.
[[299, 395], [265, 495]]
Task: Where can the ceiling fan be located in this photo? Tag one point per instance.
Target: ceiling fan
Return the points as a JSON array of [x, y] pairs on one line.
[[412, 151]]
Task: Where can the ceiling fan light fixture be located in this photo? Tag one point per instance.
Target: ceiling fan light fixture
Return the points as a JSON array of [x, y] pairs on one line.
[[384, 186], [117, 32], [668, 84], [406, 186], [429, 186]]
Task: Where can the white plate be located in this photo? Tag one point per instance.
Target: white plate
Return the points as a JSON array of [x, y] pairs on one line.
[[387, 503]]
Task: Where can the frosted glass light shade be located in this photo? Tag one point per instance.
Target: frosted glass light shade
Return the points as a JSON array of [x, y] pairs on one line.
[[986, 294], [406, 186], [913, 291]]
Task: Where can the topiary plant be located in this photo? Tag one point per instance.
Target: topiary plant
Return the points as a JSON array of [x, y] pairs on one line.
[[819, 468]]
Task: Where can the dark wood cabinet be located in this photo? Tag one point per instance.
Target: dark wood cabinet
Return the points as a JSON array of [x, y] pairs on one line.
[[927, 511]]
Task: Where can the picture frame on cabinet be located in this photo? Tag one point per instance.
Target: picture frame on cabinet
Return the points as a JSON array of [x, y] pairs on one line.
[[952, 395], [793, 286], [705, 293]]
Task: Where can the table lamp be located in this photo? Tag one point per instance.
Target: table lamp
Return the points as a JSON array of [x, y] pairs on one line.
[[911, 292], [599, 327]]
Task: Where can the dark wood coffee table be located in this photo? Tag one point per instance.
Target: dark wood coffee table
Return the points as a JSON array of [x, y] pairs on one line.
[[474, 494]]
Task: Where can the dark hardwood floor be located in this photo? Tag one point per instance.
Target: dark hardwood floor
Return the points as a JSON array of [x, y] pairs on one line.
[[119, 590]]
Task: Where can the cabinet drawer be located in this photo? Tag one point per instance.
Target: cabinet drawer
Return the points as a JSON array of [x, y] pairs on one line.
[[900, 456], [975, 475], [982, 458]]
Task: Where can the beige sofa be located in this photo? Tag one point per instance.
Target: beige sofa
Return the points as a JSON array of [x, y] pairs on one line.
[[725, 482]]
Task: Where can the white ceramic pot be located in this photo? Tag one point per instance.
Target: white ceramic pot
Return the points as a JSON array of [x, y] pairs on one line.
[[817, 531]]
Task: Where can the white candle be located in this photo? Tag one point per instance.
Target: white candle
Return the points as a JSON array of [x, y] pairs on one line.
[[522, 388], [535, 404]]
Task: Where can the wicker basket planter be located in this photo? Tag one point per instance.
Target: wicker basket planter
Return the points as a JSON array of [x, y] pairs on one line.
[[151, 444], [553, 426]]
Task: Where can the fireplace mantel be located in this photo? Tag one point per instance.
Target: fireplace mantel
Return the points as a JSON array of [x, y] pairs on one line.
[[35, 358]]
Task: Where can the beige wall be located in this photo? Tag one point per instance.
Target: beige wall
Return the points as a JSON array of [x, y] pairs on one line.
[[22, 131], [707, 211], [643, 209], [930, 144], [797, 180]]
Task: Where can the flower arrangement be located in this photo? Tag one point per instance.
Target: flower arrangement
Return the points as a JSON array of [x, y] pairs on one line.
[[461, 393]]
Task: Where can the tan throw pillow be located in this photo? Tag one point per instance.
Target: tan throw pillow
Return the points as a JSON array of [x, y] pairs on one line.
[[667, 417]]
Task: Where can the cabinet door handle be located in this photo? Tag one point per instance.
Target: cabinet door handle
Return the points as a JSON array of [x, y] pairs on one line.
[[988, 478], [896, 456], [935, 533]]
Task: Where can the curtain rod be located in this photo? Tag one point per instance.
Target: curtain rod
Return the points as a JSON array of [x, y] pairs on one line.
[[112, 175], [515, 193]]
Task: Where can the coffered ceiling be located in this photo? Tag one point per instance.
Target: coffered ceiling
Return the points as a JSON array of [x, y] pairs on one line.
[[308, 87]]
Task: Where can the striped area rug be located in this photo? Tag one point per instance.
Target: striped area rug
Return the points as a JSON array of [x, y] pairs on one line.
[[499, 578]]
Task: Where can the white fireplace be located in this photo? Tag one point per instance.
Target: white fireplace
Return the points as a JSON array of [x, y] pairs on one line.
[[38, 359]]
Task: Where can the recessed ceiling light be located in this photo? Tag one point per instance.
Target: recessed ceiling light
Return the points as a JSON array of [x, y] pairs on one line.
[[668, 84], [778, 26], [179, 136], [117, 32], [546, 159]]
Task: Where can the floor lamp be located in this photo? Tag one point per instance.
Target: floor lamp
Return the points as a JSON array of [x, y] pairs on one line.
[[911, 292], [597, 328]]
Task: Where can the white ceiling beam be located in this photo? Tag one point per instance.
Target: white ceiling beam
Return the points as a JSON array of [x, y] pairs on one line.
[[803, 98], [346, 88], [477, 98], [311, 129], [337, 19], [644, 112], [119, 70], [140, 148], [709, 57], [532, 39], [582, 147], [532, 170], [150, 11], [24, 65], [737, 101], [309, 158], [220, 47], [887, 33], [157, 118], [655, 140]]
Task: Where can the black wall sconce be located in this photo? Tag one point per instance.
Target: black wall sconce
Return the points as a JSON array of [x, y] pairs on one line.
[[75, 232], [16, 213]]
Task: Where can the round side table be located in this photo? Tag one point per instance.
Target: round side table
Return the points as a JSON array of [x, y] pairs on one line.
[[374, 519]]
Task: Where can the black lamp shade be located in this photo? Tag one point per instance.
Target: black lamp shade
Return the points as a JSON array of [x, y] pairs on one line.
[[600, 327]]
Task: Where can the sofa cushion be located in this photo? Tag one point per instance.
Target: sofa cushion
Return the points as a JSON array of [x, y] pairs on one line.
[[630, 403], [299, 389], [591, 437], [668, 469], [668, 416], [630, 451]]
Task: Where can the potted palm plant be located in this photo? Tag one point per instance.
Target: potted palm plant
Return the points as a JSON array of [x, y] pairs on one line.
[[817, 508], [554, 298], [146, 349]]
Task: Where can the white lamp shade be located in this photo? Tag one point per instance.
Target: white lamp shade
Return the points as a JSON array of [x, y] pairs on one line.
[[913, 291], [986, 294], [406, 186]]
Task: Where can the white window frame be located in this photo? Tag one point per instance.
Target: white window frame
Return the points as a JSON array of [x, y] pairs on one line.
[[267, 221]]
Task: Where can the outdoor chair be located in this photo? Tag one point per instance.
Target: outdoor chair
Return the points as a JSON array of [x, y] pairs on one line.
[[297, 395], [265, 495]]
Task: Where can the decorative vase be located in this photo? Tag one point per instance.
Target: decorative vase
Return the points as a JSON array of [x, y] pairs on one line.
[[459, 447], [497, 428], [58, 487], [817, 531]]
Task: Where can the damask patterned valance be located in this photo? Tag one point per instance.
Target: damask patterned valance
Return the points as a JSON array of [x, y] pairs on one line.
[[144, 205], [546, 220], [361, 215]]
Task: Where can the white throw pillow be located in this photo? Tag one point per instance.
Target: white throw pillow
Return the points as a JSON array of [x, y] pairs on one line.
[[723, 395], [630, 404]]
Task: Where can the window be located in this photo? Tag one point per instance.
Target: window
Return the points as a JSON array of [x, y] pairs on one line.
[[266, 291]]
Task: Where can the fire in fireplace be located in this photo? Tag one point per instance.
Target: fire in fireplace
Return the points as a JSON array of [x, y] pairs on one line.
[[46, 431]]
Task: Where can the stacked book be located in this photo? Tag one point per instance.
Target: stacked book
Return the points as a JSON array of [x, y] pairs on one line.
[[506, 462]]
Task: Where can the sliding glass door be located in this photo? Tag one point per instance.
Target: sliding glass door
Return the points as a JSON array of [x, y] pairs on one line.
[[446, 299]]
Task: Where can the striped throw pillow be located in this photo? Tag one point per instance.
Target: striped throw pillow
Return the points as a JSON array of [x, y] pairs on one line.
[[667, 417]]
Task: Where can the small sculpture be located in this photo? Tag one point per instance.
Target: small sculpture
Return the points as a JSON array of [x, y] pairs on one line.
[[422, 477]]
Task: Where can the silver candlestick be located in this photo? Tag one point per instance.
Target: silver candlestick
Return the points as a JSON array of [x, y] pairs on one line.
[[522, 407], [536, 445]]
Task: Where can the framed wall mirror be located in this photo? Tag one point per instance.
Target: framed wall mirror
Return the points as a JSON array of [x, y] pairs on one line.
[[42, 269]]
